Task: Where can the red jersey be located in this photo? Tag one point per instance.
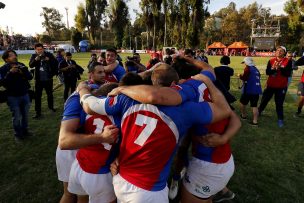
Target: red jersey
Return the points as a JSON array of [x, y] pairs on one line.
[[97, 158]]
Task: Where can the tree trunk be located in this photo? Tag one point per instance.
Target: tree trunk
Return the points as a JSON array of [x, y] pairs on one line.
[[154, 31]]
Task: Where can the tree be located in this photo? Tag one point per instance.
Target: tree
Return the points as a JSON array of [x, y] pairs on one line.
[[119, 19], [95, 9], [76, 37], [80, 18], [45, 39], [52, 20], [295, 9]]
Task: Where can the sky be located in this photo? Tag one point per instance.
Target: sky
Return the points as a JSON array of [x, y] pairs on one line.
[[23, 16]]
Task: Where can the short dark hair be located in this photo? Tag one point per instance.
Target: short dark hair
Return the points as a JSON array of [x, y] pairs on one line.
[[164, 75], [130, 79], [185, 70], [225, 60], [189, 52], [6, 54], [93, 66], [38, 45], [106, 88], [112, 50], [68, 54], [93, 54]]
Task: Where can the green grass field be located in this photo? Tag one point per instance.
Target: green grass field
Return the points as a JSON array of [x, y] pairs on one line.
[[269, 161]]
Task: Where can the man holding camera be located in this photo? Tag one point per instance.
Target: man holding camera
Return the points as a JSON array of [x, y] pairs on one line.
[[71, 73], [45, 67], [15, 76], [133, 64]]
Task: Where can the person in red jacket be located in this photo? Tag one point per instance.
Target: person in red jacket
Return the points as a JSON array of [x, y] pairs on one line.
[[278, 70], [300, 62]]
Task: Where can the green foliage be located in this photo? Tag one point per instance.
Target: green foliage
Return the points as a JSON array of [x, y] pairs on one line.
[[76, 37], [80, 18], [45, 39], [119, 19], [95, 10], [52, 20]]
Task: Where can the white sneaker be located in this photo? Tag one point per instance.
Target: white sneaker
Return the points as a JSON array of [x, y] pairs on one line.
[[173, 189]]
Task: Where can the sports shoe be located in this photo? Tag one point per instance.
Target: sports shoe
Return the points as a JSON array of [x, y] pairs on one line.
[[253, 124], [173, 189], [296, 115], [220, 196], [280, 123], [243, 117], [37, 116]]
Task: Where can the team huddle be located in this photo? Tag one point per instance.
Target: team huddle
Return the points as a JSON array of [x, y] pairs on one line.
[[119, 141]]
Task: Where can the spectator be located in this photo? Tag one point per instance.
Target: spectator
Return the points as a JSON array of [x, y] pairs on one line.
[[154, 60], [15, 76], [45, 66], [251, 89], [294, 67], [224, 72], [102, 58], [71, 72], [278, 70], [300, 62], [133, 64], [93, 59], [167, 57], [59, 58]]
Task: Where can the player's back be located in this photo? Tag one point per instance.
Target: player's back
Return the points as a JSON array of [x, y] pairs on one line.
[[149, 138]]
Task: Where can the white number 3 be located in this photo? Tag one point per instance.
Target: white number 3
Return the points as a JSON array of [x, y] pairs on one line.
[[147, 131], [99, 123]]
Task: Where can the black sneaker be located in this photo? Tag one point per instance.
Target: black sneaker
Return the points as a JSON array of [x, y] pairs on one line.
[[19, 138], [27, 133], [296, 115], [54, 110], [219, 197], [37, 116]]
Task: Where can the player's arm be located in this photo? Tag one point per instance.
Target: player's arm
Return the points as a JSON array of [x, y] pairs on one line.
[[149, 94], [93, 105], [214, 139], [219, 106], [70, 139], [110, 68]]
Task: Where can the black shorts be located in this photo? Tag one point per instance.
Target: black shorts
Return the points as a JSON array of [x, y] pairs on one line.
[[301, 89], [252, 98]]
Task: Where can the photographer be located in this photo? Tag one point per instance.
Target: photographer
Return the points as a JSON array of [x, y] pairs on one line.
[[45, 66], [15, 76], [71, 73], [133, 64], [93, 59]]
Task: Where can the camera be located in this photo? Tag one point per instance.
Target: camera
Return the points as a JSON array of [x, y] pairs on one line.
[[42, 57]]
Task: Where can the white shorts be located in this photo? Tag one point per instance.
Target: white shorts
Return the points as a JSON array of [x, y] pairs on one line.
[[204, 179], [98, 186], [64, 161], [127, 193]]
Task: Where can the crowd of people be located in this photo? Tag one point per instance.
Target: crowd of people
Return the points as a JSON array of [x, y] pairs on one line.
[[128, 124]]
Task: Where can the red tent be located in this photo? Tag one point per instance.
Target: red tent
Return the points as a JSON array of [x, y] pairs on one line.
[[238, 48], [217, 45], [238, 45]]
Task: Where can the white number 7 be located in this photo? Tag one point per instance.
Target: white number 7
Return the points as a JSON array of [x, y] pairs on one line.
[[99, 123], [147, 131]]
